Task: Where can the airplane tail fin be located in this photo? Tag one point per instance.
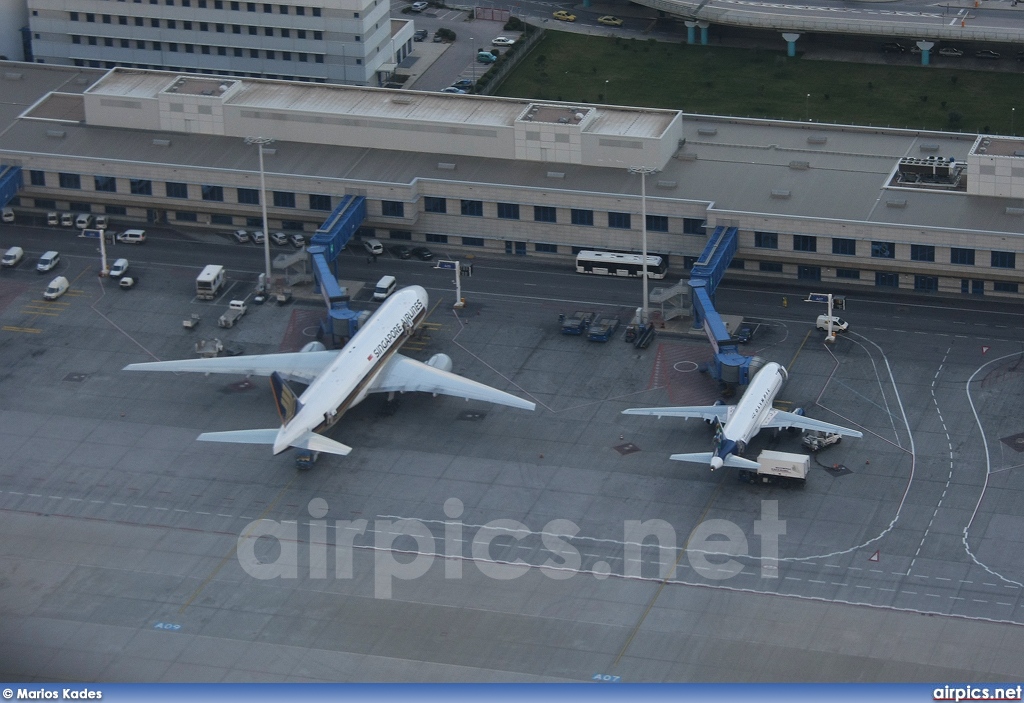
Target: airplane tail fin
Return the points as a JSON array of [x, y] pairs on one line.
[[287, 402], [706, 457]]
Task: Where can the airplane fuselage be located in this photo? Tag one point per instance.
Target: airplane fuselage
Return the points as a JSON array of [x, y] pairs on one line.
[[344, 383], [751, 412]]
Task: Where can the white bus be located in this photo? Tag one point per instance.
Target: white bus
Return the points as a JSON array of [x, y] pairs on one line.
[[607, 263], [209, 282]]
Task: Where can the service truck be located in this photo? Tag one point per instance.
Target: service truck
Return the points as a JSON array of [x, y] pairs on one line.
[[816, 440], [602, 328], [780, 468], [577, 323], [209, 282], [234, 312]]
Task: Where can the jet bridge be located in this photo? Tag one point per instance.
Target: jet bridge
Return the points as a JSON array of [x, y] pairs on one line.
[[10, 183], [729, 366], [324, 249]]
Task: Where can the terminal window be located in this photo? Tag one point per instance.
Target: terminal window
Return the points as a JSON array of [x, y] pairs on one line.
[[546, 248], [319, 202], [657, 223], [248, 196], [926, 283], [438, 205], [106, 184], [844, 247], [964, 257], [177, 190], [887, 280], [583, 217], [473, 208], [922, 252], [214, 193], [808, 273], [437, 238], [618, 220], [770, 266], [883, 250], [1004, 260], [37, 178], [284, 198], [802, 242], [693, 226], [392, 208], [472, 241], [508, 211], [853, 274], [70, 180], [543, 213], [1005, 287]]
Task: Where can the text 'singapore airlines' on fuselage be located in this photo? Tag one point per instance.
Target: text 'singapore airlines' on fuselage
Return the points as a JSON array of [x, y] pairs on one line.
[[339, 380]]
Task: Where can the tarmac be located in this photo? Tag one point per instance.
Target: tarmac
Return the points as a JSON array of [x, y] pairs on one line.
[[498, 544]]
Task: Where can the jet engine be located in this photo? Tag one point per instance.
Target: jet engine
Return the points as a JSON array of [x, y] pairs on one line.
[[440, 361], [313, 347]]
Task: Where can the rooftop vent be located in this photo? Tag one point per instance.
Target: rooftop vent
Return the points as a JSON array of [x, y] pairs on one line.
[[161, 142], [269, 151], [688, 156], [929, 147], [800, 165], [707, 131], [13, 75], [556, 174], [781, 194], [1015, 211], [667, 184], [816, 139], [402, 100], [56, 133], [895, 203], [445, 166]]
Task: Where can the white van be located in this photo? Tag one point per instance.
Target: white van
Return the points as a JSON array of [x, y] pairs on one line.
[[119, 268], [48, 261], [838, 324], [132, 236], [83, 221], [101, 222], [385, 287], [67, 219], [8, 215], [57, 288], [12, 256], [52, 219]]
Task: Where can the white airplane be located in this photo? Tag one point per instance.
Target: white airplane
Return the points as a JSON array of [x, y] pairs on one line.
[[742, 421], [339, 380]]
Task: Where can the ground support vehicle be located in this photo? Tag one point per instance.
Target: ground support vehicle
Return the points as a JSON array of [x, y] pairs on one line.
[[236, 309], [778, 468], [577, 324]]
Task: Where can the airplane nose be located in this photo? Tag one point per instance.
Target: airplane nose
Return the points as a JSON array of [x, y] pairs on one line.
[[716, 462]]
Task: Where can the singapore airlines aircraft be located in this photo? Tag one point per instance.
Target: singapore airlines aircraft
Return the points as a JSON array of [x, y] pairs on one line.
[[742, 421], [339, 380]]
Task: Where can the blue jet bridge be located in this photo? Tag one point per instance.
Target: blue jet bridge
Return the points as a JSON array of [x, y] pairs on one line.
[[729, 365], [324, 249], [10, 183]]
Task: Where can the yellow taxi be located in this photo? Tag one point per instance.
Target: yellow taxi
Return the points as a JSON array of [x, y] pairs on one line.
[[564, 16]]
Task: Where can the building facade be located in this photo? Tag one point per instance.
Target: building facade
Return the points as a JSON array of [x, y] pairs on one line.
[[888, 209], [353, 41]]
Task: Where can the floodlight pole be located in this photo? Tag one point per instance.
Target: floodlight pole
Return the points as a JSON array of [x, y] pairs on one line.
[[643, 171], [260, 142]]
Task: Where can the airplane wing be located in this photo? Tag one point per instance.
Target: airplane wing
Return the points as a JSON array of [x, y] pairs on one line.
[[704, 412], [782, 419], [295, 366], [404, 375]]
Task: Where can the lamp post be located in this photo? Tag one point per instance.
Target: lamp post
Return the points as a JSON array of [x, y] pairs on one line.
[[807, 107], [643, 171], [607, 97], [1013, 113], [260, 142], [472, 44]]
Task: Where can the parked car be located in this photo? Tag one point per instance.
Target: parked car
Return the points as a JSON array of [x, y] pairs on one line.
[[744, 334], [988, 54], [48, 261], [564, 16], [502, 41], [297, 240], [419, 6], [128, 282], [8, 214], [950, 51], [119, 268], [83, 221], [52, 219], [57, 288], [422, 253], [610, 21], [132, 236], [463, 83], [373, 247], [241, 236], [101, 222], [401, 251], [279, 238], [838, 324], [67, 219], [257, 237], [486, 57], [420, 35], [894, 48], [453, 90], [12, 256]]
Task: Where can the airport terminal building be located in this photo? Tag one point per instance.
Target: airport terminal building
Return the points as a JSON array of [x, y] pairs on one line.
[[896, 209]]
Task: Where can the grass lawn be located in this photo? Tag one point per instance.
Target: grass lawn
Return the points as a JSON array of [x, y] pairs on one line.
[[757, 83]]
